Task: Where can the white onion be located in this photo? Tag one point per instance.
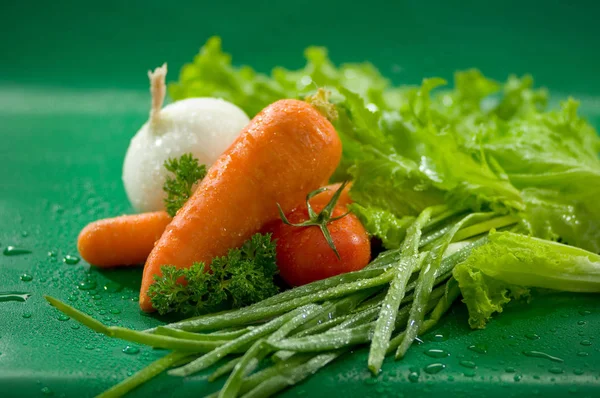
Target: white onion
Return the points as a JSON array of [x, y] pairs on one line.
[[204, 127]]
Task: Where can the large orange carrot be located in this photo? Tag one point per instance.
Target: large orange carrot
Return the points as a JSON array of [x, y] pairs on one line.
[[287, 150], [123, 240]]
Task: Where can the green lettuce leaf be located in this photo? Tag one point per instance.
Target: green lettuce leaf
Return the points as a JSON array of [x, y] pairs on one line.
[[383, 224], [509, 264], [479, 145]]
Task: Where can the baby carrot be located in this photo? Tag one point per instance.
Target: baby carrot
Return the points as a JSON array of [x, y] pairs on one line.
[[123, 240], [287, 150]]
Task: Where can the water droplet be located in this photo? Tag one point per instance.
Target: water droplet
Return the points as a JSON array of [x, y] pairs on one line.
[[131, 350], [26, 277], [96, 297], [72, 298], [413, 376], [112, 287], [63, 317], [469, 373], [47, 391], [556, 370], [15, 251], [573, 390], [585, 312], [27, 315], [468, 364], [24, 234], [581, 322], [585, 343], [102, 312], [371, 381], [436, 353], [532, 336], [517, 377], [434, 368], [115, 311], [89, 347], [75, 326], [578, 372], [439, 337], [539, 354], [450, 378], [52, 253], [14, 296], [87, 285], [582, 354], [478, 348], [70, 259], [510, 370]]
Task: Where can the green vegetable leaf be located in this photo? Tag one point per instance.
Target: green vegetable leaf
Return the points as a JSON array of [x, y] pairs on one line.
[[383, 224], [186, 173], [242, 277], [480, 145], [509, 264]]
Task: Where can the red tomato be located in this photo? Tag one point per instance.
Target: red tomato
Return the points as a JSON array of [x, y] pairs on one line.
[[303, 255]]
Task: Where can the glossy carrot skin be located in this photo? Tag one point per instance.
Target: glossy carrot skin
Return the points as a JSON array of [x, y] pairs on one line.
[[124, 240], [287, 150]]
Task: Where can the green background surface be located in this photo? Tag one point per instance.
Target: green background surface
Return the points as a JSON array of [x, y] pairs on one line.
[[73, 92]]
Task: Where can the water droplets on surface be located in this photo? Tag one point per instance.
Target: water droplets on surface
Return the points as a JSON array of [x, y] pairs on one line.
[[539, 354], [478, 348], [468, 364], [26, 277], [469, 373], [439, 337], [510, 369], [15, 251], [556, 370], [586, 343], [14, 296], [70, 259], [131, 350], [27, 315], [112, 287], [88, 284], [517, 377], [63, 317], [47, 391], [532, 336], [437, 353], [413, 377], [434, 368]]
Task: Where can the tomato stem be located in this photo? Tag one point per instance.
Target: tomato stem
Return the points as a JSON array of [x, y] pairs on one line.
[[322, 218]]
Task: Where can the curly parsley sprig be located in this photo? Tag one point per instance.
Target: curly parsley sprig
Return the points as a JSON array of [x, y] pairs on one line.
[[244, 276], [186, 173]]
